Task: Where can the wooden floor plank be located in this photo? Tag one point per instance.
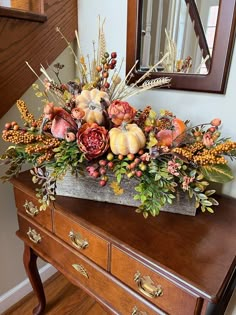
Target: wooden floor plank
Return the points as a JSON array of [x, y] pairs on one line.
[[62, 298]]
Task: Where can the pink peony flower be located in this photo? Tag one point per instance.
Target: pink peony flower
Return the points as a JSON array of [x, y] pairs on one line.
[[120, 111]]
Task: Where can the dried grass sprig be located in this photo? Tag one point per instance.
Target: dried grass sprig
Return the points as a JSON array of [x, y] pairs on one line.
[[146, 74], [41, 81], [125, 91], [81, 72], [68, 44], [122, 84], [147, 85], [101, 41]]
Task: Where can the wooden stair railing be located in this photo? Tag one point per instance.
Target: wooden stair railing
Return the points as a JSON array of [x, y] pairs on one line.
[[35, 42], [199, 31]]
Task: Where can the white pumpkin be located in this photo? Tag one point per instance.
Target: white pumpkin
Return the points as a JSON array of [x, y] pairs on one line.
[[90, 102], [127, 138]]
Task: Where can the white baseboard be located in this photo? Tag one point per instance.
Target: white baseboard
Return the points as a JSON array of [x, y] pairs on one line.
[[14, 295]]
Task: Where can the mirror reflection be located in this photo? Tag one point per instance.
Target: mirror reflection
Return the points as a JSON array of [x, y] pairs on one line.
[[178, 35]]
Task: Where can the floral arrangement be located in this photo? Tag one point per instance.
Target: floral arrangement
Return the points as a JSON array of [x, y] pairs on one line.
[[88, 126]]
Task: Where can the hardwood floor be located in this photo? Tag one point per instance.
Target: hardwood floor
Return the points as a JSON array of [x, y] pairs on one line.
[[62, 299]]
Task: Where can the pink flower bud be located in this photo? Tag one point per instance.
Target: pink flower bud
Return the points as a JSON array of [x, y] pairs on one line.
[[216, 122], [70, 136]]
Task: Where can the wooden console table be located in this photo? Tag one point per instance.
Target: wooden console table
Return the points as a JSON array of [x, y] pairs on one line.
[[172, 264]]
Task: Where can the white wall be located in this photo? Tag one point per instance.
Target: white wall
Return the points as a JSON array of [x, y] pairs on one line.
[[11, 263]]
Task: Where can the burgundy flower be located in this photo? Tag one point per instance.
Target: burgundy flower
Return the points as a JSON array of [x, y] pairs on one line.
[[93, 140], [120, 111]]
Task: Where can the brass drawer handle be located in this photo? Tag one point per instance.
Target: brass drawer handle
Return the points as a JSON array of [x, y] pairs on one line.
[[81, 270], [135, 311], [34, 236], [30, 208], [147, 286], [77, 240]]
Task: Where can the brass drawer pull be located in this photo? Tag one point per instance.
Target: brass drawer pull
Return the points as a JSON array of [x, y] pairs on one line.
[[147, 286], [34, 236], [77, 240], [135, 311], [81, 270], [30, 208]]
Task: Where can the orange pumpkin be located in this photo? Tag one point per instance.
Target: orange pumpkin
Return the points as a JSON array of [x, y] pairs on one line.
[[167, 137]]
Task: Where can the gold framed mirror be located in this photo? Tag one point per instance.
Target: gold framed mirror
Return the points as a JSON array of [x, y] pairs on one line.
[[214, 54]]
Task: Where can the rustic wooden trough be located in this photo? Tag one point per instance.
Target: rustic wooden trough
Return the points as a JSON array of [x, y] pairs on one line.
[[85, 187]]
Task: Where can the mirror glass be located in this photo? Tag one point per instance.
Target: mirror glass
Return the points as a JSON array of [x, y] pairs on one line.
[[179, 34], [189, 41]]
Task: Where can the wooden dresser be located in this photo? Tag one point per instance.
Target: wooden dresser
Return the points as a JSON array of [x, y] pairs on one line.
[[171, 264]]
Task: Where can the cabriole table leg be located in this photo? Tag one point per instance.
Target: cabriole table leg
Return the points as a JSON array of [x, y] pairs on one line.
[[30, 259]]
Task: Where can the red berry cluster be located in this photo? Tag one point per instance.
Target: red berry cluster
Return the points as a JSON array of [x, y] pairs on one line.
[[101, 169], [137, 164], [108, 62]]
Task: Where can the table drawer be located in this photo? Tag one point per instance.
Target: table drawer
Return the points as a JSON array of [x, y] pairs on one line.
[[84, 273], [102, 286], [29, 206], [152, 285], [89, 244]]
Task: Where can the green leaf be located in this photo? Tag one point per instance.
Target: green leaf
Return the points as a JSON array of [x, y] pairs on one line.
[[220, 173], [39, 94], [203, 208], [206, 203], [35, 86], [34, 179], [200, 177], [136, 197], [118, 177], [190, 193], [197, 204], [210, 210], [145, 214], [157, 177], [202, 196], [214, 201], [143, 198], [209, 192], [192, 173]]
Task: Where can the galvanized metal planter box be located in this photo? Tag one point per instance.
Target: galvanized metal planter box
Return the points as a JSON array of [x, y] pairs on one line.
[[86, 187]]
